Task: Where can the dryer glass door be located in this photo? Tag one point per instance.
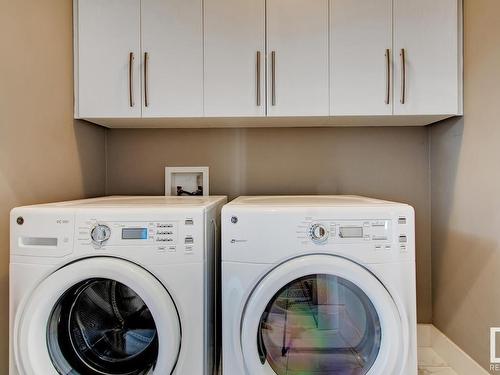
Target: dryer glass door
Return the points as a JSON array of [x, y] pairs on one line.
[[319, 324], [323, 315]]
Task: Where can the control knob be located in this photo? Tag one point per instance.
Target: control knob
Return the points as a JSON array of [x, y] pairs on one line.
[[100, 234], [318, 233]]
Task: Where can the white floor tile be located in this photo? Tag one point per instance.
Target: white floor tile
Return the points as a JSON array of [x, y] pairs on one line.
[[430, 363], [427, 357], [436, 371]]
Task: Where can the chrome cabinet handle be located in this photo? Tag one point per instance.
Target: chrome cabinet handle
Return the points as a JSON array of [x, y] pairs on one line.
[[403, 76], [146, 61], [131, 79], [273, 79], [388, 72], [258, 78]]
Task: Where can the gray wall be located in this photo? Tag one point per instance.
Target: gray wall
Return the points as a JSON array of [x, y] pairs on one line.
[[465, 194], [44, 154], [388, 163]]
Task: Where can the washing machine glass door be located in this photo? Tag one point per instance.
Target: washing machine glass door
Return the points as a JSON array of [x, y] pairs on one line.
[[98, 316], [322, 315]]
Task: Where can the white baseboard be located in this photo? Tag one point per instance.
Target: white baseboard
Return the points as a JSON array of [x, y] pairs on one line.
[[456, 358], [424, 335]]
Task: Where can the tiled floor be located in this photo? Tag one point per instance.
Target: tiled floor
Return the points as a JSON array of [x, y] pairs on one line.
[[429, 363]]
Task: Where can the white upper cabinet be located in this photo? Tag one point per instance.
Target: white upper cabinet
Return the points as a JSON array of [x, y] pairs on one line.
[[107, 58], [361, 57], [172, 58], [427, 57], [235, 58], [150, 63], [297, 58]]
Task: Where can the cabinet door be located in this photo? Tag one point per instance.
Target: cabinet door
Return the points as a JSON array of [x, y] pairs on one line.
[[172, 58], [297, 54], [107, 58], [427, 81], [361, 53], [235, 58]]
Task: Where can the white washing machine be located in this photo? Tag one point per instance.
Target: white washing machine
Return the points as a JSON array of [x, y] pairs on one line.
[[115, 285], [318, 285]]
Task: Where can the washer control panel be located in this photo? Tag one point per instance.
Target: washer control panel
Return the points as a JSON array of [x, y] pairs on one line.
[[117, 233]]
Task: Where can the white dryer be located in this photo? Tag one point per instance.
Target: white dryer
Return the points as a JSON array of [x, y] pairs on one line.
[[115, 285], [320, 285]]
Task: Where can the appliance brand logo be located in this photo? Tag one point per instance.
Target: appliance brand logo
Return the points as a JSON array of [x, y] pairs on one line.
[[494, 359], [237, 241]]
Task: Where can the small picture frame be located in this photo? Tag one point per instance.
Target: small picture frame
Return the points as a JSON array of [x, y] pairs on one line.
[[186, 181]]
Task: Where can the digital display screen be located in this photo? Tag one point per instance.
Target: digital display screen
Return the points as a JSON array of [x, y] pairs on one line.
[[134, 234], [351, 232]]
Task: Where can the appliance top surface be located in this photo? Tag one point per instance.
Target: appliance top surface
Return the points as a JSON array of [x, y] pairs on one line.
[[310, 200], [139, 201]]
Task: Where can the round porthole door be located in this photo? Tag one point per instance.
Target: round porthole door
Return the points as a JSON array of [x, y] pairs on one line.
[[322, 315], [99, 316]]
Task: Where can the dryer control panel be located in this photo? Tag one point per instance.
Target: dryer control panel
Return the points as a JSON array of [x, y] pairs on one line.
[[347, 231]]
